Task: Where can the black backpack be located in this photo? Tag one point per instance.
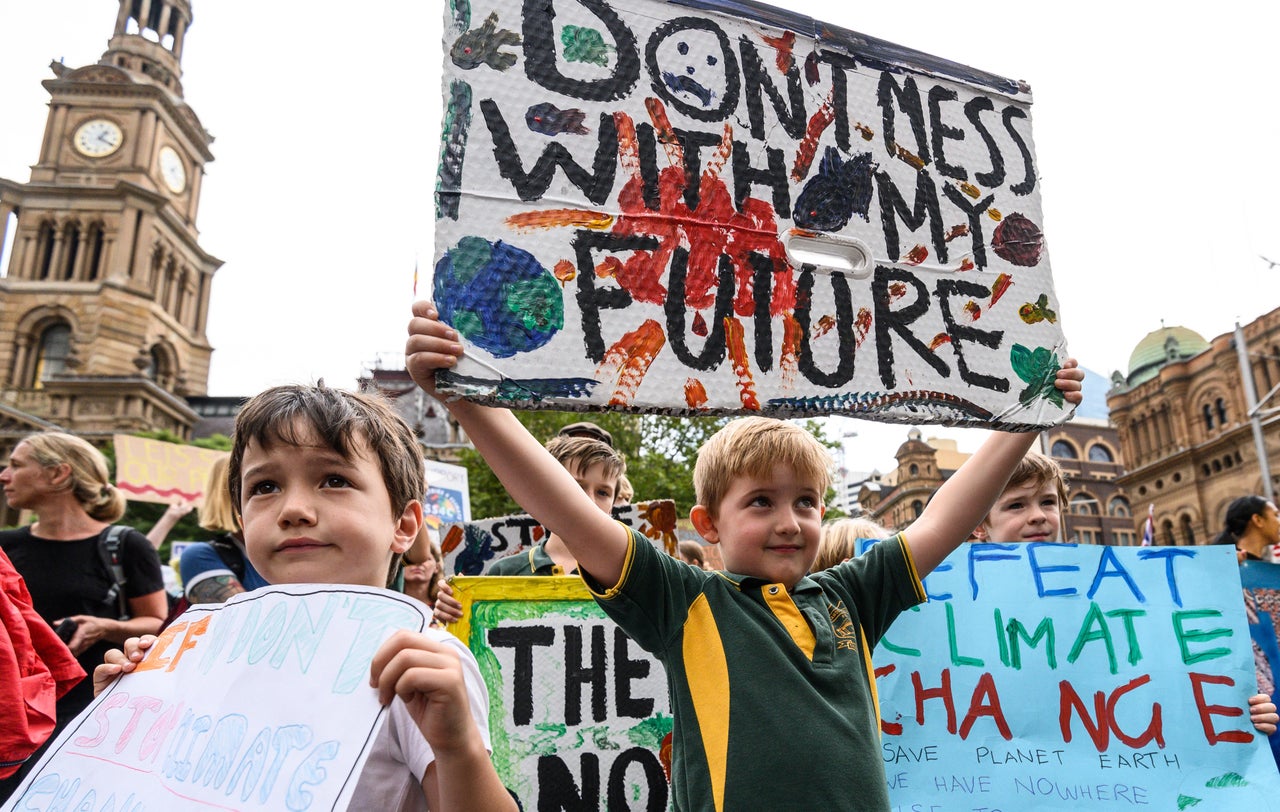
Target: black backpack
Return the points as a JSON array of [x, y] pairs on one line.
[[109, 550], [230, 555]]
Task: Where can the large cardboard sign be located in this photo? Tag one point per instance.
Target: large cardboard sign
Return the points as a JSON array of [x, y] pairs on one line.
[[448, 499], [578, 714], [723, 207], [259, 703], [1062, 677], [470, 548], [156, 471]]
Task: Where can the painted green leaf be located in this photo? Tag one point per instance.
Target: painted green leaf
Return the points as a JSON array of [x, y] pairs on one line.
[[1186, 802], [1038, 368]]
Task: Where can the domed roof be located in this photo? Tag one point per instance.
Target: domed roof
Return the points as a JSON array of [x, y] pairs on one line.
[[1159, 347]]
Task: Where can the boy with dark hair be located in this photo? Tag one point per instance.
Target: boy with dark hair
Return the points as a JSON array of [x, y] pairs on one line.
[[769, 669], [327, 484]]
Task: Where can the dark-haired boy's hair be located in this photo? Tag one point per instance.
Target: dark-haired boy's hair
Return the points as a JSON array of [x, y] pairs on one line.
[[294, 413], [1239, 513]]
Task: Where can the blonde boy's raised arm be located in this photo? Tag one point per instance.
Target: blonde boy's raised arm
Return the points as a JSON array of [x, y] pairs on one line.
[[533, 477], [966, 498]]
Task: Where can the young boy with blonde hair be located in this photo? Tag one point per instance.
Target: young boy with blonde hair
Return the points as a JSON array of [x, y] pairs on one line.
[[769, 669], [328, 485], [1030, 507]]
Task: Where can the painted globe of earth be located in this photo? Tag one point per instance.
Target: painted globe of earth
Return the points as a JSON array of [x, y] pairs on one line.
[[498, 297]]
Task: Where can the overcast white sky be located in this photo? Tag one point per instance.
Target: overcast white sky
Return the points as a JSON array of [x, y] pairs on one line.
[[1155, 131]]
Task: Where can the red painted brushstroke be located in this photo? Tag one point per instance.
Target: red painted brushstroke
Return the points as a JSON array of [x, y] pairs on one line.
[[713, 228], [734, 339], [783, 45], [1002, 283], [788, 366], [818, 122], [866, 132], [628, 146], [956, 231], [915, 256], [862, 325], [451, 539], [631, 356], [565, 271], [665, 132], [897, 290], [973, 309], [939, 340], [608, 268], [695, 394], [699, 326], [966, 264], [167, 493], [823, 326]]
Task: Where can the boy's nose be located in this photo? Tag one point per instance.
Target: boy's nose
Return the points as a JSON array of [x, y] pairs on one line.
[[296, 510]]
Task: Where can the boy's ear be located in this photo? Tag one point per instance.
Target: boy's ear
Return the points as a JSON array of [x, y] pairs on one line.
[[980, 532], [704, 524], [407, 527]]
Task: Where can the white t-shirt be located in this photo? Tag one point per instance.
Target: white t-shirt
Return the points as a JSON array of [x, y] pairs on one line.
[[392, 776]]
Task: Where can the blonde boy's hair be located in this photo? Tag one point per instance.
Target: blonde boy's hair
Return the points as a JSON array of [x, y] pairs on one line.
[[755, 446], [840, 541], [1036, 467], [215, 510], [580, 453]]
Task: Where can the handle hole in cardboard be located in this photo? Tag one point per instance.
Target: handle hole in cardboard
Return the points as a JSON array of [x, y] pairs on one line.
[[843, 255]]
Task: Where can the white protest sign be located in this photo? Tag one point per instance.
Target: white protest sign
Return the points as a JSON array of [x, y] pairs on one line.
[[723, 207], [448, 498], [259, 703]]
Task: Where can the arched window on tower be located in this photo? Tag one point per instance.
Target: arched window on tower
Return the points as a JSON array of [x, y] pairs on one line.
[[1063, 450], [71, 241], [44, 249], [1100, 453], [1208, 418], [1221, 406], [914, 469], [1166, 530], [96, 243], [52, 352], [161, 366], [917, 507]]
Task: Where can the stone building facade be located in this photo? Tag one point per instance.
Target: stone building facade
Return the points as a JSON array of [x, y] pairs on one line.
[[1183, 418]]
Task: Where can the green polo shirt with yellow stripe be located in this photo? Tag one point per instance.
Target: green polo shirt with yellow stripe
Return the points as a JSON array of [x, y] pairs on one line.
[[772, 691], [533, 561]]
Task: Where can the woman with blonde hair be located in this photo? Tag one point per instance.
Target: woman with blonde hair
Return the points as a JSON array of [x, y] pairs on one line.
[[422, 580], [65, 556], [213, 571]]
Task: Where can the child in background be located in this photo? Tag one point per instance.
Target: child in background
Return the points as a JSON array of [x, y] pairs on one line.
[[768, 670], [840, 541], [597, 468], [691, 553], [327, 485], [1030, 507]]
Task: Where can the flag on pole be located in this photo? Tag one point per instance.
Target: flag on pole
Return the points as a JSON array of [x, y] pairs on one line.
[[1149, 527]]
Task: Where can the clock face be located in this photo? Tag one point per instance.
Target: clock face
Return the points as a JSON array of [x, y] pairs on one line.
[[172, 170], [98, 138]]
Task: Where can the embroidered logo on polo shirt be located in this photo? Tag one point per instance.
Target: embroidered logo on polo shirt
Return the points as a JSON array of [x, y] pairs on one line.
[[842, 625]]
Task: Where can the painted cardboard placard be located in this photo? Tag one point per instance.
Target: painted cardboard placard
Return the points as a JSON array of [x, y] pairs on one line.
[[156, 471], [578, 714], [1261, 582], [716, 206], [448, 498], [1060, 677], [470, 548], [224, 713]]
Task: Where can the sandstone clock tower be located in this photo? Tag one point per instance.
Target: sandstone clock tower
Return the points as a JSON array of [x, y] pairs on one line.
[[106, 294]]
